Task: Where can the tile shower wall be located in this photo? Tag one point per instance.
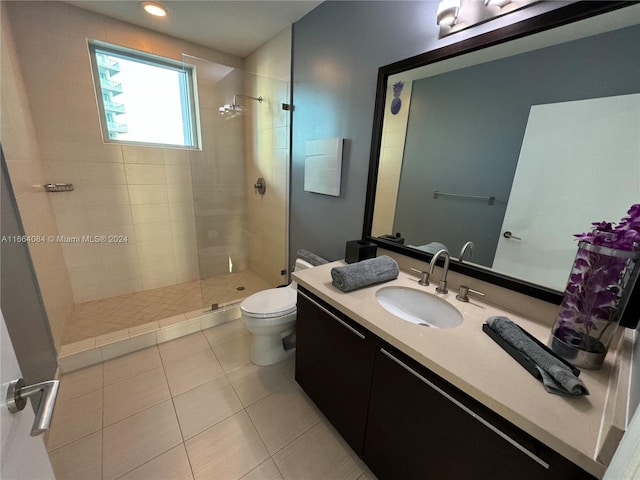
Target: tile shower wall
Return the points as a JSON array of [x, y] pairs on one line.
[[268, 156], [24, 161], [142, 193]]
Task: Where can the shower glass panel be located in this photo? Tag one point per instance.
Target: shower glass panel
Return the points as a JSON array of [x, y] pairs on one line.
[[240, 237]]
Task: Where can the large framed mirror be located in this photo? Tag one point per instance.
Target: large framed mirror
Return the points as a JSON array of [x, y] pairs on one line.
[[515, 140]]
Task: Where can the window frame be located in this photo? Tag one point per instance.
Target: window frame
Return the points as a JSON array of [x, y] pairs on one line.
[[188, 93]]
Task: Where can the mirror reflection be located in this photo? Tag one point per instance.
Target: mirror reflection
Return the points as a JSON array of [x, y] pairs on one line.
[[515, 148]]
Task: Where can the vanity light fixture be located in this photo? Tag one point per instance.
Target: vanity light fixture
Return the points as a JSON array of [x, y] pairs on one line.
[[448, 12], [457, 15], [155, 9], [496, 3]]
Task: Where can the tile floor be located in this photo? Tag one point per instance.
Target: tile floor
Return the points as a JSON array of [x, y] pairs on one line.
[[194, 408], [100, 317]]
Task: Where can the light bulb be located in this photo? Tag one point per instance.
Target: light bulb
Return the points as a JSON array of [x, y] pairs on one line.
[[154, 9], [448, 12]]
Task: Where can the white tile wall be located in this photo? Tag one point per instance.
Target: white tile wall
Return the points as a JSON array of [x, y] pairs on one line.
[[143, 174], [148, 194], [150, 213], [142, 192], [27, 168]]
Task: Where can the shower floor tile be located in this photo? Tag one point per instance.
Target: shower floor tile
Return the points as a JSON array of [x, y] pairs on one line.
[[109, 315]]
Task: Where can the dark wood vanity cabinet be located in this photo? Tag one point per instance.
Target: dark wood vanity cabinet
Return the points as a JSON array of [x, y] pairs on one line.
[[405, 421], [419, 427], [334, 365]]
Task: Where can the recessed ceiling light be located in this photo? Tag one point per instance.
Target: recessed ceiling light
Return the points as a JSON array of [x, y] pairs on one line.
[[154, 9]]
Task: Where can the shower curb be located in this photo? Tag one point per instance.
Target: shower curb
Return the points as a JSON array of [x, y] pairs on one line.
[[85, 353]]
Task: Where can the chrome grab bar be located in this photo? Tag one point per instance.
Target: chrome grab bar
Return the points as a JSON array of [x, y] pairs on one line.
[[490, 199], [17, 394]]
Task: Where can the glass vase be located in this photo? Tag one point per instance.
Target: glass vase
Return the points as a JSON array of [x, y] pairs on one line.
[[597, 290]]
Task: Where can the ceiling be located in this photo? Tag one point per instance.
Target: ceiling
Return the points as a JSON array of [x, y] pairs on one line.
[[237, 27]]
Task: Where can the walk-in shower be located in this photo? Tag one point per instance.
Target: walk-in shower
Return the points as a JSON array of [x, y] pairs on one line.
[[202, 238], [214, 242]]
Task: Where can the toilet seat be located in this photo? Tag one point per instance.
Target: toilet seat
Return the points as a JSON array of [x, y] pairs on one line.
[[274, 302]]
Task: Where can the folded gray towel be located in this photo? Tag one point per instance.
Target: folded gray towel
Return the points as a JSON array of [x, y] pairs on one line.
[[364, 273], [312, 258], [556, 376]]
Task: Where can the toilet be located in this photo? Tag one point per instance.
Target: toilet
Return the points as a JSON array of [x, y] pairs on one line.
[[270, 316]]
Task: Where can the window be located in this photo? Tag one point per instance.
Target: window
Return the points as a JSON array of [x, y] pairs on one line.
[[145, 99]]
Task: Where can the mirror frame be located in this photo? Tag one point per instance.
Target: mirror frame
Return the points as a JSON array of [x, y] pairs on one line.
[[555, 18]]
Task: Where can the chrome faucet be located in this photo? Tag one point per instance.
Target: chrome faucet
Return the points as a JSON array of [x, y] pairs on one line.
[[466, 248], [442, 285], [424, 276]]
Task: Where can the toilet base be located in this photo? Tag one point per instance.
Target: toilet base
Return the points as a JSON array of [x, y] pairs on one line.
[[269, 349]]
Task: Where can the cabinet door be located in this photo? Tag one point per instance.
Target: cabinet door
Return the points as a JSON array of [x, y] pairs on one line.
[[334, 365], [420, 427]]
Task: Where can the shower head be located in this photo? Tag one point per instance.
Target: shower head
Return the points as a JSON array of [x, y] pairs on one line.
[[231, 110], [235, 109]]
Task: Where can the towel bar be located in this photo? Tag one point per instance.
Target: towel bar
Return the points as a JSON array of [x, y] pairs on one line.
[[490, 199]]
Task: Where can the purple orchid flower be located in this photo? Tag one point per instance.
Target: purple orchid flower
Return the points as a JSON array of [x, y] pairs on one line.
[[596, 281]]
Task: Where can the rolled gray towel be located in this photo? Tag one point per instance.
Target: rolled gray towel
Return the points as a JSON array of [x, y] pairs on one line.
[[312, 258], [364, 273], [556, 376]]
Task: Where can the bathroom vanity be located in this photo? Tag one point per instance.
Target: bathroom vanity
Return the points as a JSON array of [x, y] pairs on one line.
[[421, 402]]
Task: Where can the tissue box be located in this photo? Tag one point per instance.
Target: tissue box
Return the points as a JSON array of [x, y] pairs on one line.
[[358, 250]]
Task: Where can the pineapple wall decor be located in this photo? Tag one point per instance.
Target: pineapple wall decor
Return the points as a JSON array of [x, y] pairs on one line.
[[396, 103]]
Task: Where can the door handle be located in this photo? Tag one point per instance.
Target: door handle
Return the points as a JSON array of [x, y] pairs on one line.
[[508, 234], [17, 395]]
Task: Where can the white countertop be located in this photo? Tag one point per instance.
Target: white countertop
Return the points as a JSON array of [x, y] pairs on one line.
[[467, 358]]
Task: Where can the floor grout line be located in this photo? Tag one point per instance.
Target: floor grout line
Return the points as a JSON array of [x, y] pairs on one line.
[[284, 370]]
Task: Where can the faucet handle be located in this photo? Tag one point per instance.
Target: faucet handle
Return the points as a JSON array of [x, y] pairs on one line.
[[424, 276], [463, 294]]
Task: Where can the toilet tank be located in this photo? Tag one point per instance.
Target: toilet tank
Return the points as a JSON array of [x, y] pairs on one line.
[[299, 265]]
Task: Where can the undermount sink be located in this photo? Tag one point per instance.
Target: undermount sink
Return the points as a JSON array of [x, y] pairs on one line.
[[418, 307]]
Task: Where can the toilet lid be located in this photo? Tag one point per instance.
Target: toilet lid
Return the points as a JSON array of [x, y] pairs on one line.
[[272, 301]]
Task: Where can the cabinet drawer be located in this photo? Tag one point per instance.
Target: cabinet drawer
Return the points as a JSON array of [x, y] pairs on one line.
[[420, 426]]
